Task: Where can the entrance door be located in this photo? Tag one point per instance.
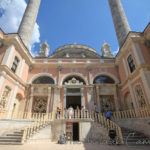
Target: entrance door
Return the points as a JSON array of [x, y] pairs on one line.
[[75, 131], [73, 101]]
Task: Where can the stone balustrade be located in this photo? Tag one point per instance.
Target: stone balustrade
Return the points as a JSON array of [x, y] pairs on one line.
[[142, 112]]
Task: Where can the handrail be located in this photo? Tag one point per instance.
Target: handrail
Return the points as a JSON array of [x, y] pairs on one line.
[[25, 116], [142, 112], [37, 125], [42, 119]]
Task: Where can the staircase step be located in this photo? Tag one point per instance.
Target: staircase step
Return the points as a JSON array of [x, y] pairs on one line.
[[13, 134], [17, 132], [134, 139], [14, 138], [10, 137], [10, 140], [11, 143]]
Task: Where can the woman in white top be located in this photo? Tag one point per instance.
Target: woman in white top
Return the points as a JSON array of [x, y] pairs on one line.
[[70, 112]]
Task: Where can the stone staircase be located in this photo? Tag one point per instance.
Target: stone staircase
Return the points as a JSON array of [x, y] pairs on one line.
[[134, 138], [12, 138], [15, 137]]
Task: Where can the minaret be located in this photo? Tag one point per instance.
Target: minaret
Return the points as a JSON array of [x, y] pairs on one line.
[[120, 21], [44, 50], [28, 22]]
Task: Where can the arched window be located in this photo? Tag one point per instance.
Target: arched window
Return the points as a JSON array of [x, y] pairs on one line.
[[5, 97], [103, 79], [140, 96], [73, 80], [43, 80]]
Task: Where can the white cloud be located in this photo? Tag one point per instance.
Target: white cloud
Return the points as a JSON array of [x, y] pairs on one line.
[[11, 12], [115, 52]]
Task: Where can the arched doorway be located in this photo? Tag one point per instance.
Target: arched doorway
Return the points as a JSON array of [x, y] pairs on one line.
[[106, 92], [74, 92], [41, 101]]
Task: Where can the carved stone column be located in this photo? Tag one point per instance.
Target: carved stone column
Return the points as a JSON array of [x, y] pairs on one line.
[[48, 100], [89, 69], [31, 100], [65, 94], [97, 98], [85, 97], [58, 75], [117, 107], [82, 97], [90, 99]]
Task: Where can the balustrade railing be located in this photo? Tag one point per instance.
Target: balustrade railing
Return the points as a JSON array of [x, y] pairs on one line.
[[96, 117], [41, 119], [26, 116], [142, 112], [37, 125]]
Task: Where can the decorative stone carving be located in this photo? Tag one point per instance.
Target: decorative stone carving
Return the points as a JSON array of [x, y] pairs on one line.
[[44, 50], [107, 103], [140, 96], [40, 105], [4, 98], [106, 51], [73, 81]]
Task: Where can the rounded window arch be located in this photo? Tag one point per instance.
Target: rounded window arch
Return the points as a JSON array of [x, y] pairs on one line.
[[74, 80], [103, 79], [43, 80]]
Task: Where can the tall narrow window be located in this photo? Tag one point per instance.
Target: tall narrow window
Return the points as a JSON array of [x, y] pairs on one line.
[[5, 98], [140, 96], [15, 64], [131, 63]]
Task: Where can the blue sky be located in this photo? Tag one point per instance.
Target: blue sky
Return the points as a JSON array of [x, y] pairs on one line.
[[86, 22]]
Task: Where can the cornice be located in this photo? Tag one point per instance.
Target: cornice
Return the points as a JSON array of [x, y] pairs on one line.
[[72, 64], [14, 39], [12, 75]]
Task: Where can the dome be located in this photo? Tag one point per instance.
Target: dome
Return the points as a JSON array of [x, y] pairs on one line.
[[75, 51]]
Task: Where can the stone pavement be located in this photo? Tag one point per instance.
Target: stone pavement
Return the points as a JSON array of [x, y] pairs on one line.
[[54, 146]]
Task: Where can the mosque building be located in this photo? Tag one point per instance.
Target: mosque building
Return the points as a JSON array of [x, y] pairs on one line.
[[74, 75]]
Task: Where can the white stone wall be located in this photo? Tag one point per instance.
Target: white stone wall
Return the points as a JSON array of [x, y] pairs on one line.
[[7, 126], [92, 132]]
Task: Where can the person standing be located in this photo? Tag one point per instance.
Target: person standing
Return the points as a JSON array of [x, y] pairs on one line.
[[108, 114], [96, 112], [70, 112]]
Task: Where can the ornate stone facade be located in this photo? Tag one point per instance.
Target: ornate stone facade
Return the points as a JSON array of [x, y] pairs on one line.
[[102, 80]]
